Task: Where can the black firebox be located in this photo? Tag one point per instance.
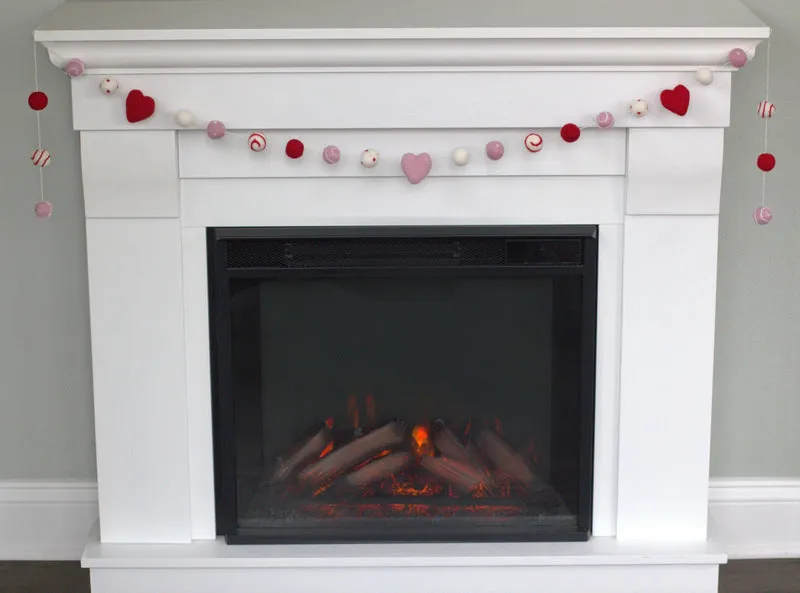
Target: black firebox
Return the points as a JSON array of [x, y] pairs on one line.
[[403, 383]]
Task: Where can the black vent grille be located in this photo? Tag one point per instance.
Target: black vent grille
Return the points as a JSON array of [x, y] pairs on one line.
[[403, 252]]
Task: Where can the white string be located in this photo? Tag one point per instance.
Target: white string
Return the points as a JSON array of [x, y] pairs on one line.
[[38, 120], [766, 127]]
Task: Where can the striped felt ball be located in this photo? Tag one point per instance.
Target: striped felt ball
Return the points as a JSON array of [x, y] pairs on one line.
[[766, 109], [41, 157]]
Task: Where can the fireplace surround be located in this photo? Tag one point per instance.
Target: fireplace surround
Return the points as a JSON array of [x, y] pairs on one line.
[[403, 78]]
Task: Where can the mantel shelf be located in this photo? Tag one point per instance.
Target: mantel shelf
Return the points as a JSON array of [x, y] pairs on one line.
[[576, 34]]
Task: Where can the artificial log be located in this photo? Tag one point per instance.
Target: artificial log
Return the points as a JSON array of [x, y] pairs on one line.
[[308, 451], [450, 446], [377, 470], [345, 458], [504, 457], [462, 476]]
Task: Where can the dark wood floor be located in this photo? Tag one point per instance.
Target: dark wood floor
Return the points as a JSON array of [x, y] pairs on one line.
[[744, 576]]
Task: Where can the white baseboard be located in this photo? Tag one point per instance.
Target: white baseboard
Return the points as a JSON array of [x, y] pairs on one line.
[[48, 520], [755, 517], [45, 520]]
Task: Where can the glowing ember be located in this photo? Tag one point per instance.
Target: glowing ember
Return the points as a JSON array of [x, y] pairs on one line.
[[383, 453], [421, 445], [326, 450], [329, 422]]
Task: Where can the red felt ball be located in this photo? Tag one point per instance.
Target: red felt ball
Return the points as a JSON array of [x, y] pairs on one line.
[[37, 100], [570, 133], [766, 162], [294, 148]]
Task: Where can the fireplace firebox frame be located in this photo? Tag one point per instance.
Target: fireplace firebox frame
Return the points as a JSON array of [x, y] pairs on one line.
[[220, 272]]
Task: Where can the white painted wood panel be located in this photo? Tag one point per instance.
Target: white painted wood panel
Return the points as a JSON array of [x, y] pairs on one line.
[[401, 100], [129, 174], [599, 152], [609, 323], [135, 291], [387, 201], [553, 579], [198, 382], [674, 171], [669, 278]]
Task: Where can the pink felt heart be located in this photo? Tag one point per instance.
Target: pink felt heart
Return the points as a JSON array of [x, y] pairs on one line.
[[416, 166], [676, 100], [139, 107]]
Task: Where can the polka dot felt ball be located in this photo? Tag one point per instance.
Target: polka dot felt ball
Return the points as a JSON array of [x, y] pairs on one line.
[[570, 133], [294, 148], [766, 162], [37, 100]]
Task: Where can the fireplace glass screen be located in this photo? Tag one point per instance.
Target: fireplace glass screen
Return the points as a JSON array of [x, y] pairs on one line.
[[403, 384]]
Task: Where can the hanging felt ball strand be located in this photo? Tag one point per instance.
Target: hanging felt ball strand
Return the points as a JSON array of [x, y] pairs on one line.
[[109, 86], [605, 119], [257, 142], [766, 109]]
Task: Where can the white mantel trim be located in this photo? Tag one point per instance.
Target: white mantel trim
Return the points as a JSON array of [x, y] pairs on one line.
[[548, 49]]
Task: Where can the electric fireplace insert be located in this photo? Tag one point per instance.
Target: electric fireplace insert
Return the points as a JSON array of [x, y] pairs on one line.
[[403, 383]]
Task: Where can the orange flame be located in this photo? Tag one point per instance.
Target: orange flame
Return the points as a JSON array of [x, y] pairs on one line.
[[326, 450], [421, 445]]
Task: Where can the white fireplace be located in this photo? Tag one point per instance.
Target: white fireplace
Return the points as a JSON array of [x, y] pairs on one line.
[[411, 78]]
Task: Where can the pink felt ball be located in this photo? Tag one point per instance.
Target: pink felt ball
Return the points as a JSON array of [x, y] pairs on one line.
[[495, 150], [331, 154], [605, 119], [762, 215], [737, 57], [75, 68], [43, 209], [215, 129]]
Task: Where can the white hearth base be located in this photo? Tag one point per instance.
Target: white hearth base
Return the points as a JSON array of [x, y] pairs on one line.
[[601, 566]]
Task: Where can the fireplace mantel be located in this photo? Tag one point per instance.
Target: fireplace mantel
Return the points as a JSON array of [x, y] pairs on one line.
[[401, 77], [204, 34]]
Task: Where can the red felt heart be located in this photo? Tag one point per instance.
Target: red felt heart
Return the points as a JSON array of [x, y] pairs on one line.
[[138, 106], [676, 100]]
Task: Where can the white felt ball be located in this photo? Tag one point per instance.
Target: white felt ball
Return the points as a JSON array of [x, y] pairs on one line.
[[460, 156], [704, 76], [638, 107], [109, 86], [369, 158], [185, 118]]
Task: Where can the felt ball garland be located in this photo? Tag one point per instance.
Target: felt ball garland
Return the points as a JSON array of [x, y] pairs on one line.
[[140, 107]]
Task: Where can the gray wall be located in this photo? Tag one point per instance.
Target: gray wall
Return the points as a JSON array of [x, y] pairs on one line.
[[45, 378]]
